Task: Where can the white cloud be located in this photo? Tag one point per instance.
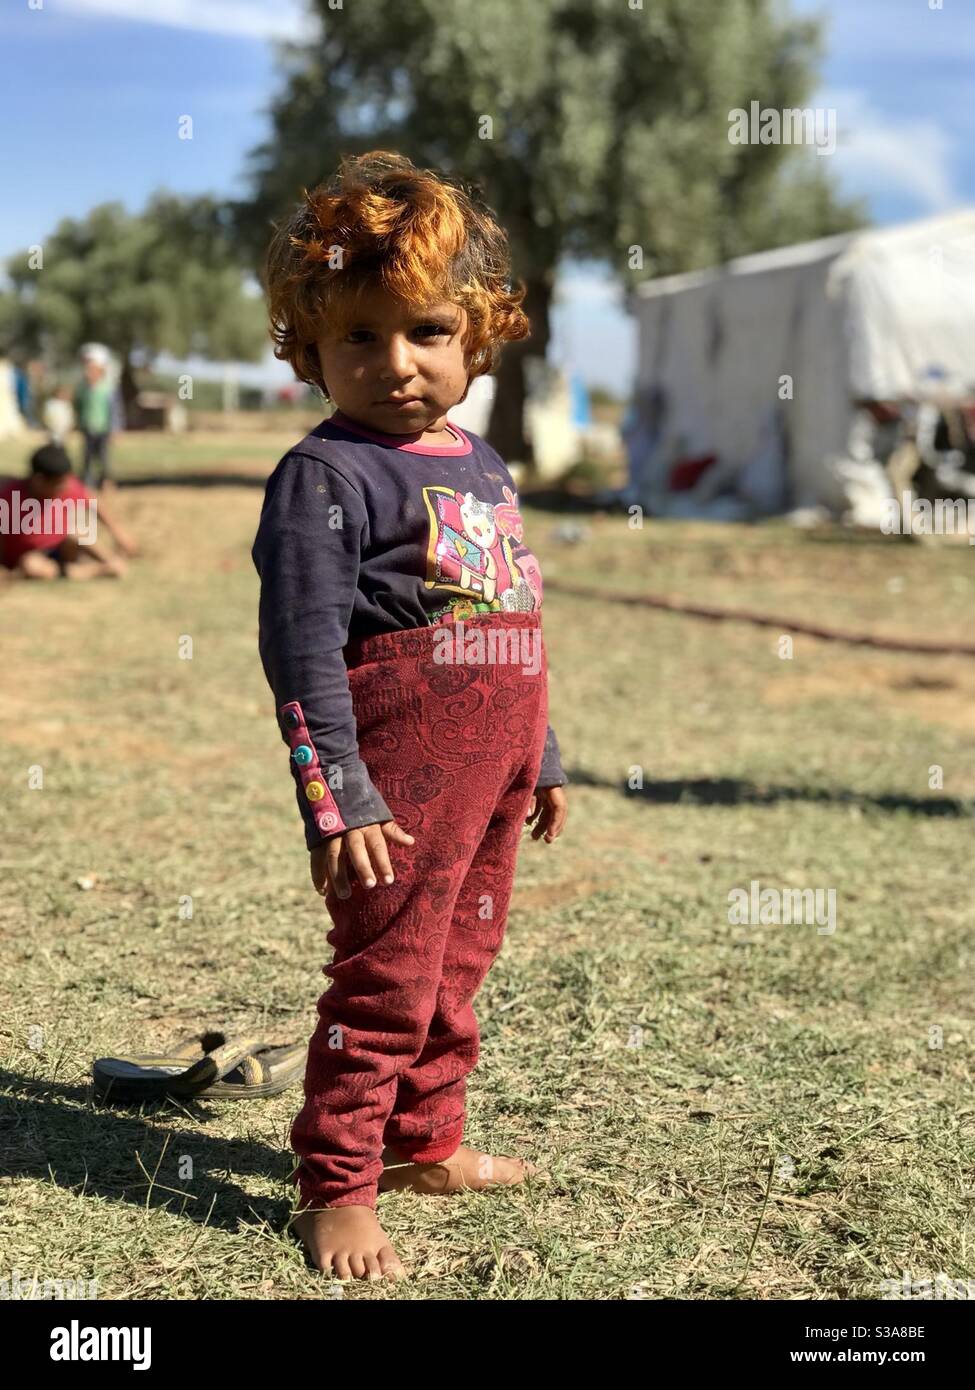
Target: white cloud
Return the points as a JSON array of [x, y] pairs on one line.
[[247, 19], [880, 154]]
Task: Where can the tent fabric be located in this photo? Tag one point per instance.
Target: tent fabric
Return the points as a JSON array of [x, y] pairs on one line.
[[882, 314]]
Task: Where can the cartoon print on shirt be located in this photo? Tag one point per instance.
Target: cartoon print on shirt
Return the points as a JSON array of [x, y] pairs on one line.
[[471, 551], [508, 516]]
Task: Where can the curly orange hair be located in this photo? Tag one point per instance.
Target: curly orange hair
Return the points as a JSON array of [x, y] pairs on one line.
[[382, 222]]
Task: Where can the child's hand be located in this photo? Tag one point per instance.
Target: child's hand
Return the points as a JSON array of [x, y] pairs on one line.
[[551, 807], [364, 849]]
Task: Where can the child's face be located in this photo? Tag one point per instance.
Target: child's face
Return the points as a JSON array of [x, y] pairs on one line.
[[394, 348]]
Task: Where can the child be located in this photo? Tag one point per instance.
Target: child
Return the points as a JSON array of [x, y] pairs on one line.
[[386, 534], [58, 415], [93, 406], [48, 522]]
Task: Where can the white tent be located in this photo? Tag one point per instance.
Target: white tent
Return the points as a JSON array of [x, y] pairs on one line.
[[882, 314]]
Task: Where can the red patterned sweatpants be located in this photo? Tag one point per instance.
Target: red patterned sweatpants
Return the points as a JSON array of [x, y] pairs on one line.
[[455, 748]]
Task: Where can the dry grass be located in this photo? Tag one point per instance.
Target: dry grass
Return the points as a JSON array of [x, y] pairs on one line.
[[653, 1058]]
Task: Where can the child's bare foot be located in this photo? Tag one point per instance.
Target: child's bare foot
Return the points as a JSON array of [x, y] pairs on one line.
[[465, 1168], [349, 1243], [112, 568], [34, 564]]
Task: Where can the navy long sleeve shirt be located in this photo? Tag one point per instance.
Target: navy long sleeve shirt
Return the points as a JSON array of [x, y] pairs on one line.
[[361, 535]]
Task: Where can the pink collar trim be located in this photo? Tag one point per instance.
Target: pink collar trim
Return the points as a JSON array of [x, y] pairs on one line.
[[463, 446]]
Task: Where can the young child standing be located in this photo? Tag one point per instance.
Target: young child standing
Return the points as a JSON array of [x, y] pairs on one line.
[[400, 633], [58, 415], [93, 408]]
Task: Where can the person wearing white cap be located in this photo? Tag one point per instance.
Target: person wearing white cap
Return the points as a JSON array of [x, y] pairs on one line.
[[93, 407], [95, 352]]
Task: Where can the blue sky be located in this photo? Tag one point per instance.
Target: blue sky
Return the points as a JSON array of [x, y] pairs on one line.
[[92, 91]]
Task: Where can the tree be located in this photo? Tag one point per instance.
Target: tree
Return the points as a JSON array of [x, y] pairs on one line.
[[595, 128], [169, 279]]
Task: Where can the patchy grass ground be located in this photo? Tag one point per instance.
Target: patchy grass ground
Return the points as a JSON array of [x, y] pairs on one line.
[[666, 1068]]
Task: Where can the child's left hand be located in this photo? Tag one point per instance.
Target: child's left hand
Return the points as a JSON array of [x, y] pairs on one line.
[[551, 808]]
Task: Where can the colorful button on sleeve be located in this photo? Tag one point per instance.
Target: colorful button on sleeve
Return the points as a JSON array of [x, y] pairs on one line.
[[323, 805]]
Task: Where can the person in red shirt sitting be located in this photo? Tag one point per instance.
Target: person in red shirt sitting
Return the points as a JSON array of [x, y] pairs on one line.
[[48, 524]]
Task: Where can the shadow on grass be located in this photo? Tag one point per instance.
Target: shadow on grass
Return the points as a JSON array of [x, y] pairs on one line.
[[543, 499], [562, 502], [63, 1135], [734, 791], [256, 479]]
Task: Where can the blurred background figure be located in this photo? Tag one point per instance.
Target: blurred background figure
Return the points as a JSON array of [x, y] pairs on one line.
[[94, 410], [24, 392], [64, 544], [57, 415]]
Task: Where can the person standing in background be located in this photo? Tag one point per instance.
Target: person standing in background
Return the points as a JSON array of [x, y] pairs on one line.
[[25, 397], [93, 407], [58, 415]]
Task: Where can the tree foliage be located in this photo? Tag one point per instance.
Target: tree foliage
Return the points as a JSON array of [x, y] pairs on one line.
[[167, 279], [608, 123], [592, 126]]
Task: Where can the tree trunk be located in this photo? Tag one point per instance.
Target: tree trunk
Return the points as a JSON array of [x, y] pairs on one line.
[[506, 429]]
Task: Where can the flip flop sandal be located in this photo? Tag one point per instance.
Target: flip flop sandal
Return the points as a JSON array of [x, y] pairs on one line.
[[153, 1077], [265, 1071], [207, 1065]]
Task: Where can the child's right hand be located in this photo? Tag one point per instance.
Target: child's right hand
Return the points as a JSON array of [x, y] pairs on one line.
[[364, 849]]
